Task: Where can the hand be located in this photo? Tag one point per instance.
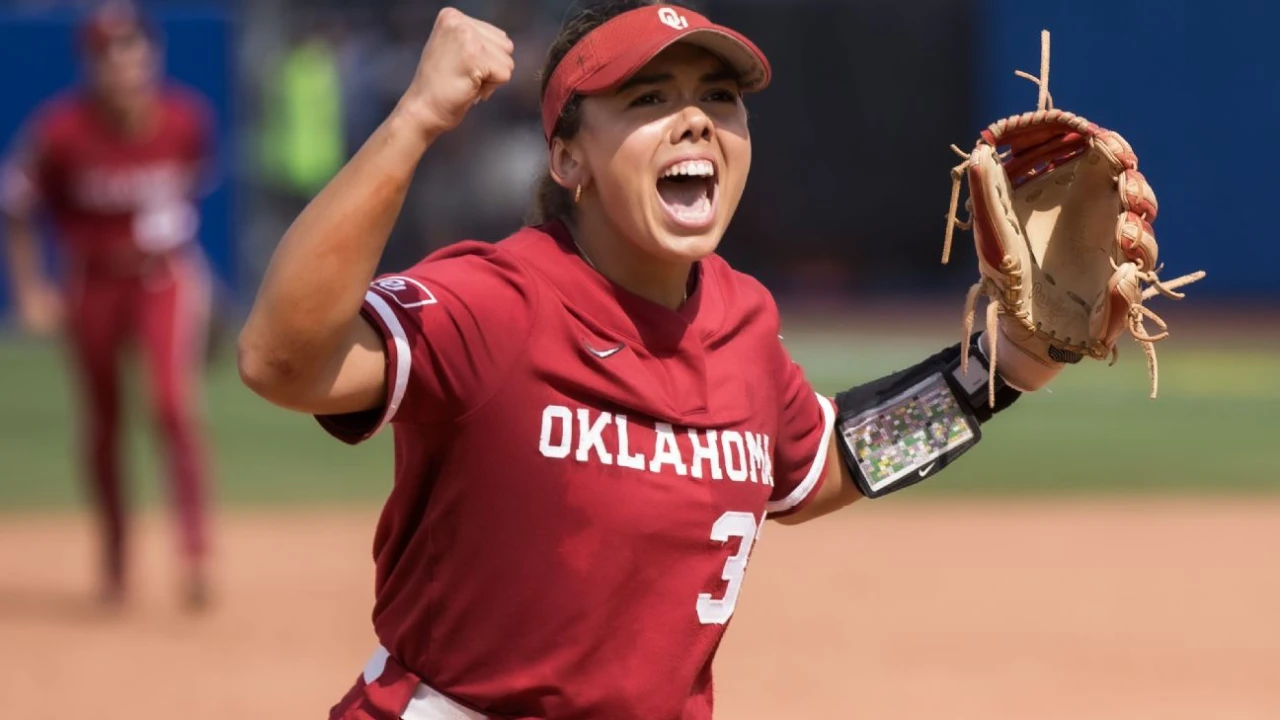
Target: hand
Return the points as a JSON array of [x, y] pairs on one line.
[[464, 62], [40, 310], [1021, 369]]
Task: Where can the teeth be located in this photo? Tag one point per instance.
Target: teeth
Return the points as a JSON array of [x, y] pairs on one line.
[[691, 168]]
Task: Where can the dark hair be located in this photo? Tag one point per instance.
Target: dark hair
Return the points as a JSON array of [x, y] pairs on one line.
[[551, 201]]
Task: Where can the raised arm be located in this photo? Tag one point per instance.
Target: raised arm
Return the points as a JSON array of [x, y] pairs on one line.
[[304, 345]]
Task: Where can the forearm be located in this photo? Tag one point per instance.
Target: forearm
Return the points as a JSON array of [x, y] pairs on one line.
[[22, 251], [837, 491], [317, 279], [892, 425]]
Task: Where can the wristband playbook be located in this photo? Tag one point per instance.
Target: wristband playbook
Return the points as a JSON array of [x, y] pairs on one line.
[[899, 430]]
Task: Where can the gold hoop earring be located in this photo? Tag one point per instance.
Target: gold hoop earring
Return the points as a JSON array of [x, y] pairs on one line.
[[577, 195]]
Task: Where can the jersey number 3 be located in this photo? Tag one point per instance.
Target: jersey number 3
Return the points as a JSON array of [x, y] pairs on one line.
[[717, 611]]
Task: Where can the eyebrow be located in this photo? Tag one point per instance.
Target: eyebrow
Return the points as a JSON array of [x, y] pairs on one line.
[[637, 80], [658, 79], [720, 76]]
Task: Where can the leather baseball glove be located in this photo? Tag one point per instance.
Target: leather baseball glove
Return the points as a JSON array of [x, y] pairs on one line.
[[1061, 221]]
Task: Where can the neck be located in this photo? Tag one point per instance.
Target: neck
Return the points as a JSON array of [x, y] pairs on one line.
[[626, 265], [131, 116]]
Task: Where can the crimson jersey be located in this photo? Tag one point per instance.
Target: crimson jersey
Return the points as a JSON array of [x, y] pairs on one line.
[[112, 197], [580, 476]]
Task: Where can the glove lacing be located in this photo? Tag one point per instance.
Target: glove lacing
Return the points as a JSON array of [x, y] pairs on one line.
[[1139, 312], [987, 287]]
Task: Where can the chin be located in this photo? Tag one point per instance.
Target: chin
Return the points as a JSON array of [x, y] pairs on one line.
[[684, 241], [681, 245]]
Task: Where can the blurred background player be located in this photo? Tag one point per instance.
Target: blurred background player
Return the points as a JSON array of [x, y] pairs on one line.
[[117, 165]]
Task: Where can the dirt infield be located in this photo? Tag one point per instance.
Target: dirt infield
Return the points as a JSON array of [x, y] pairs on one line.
[[899, 610]]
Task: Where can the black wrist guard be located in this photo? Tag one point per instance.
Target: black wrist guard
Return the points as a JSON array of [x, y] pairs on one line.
[[900, 429]]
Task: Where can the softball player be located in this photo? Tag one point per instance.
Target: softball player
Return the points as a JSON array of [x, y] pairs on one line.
[[117, 167], [593, 417]]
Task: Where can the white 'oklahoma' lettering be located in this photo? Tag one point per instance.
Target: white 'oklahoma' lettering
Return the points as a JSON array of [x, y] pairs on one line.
[[550, 415], [626, 460], [666, 452], [131, 188], [710, 452], [755, 449], [605, 438], [589, 437], [767, 472], [737, 471]]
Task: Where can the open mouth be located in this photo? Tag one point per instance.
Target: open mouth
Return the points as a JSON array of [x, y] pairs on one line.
[[688, 190]]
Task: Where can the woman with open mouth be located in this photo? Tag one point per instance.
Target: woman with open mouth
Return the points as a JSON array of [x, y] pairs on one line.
[[594, 416]]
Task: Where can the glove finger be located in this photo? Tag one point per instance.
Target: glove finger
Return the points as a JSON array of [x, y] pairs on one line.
[[995, 228], [1137, 196], [1110, 317], [1118, 148], [1137, 240]]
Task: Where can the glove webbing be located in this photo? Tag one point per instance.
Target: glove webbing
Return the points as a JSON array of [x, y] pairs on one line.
[[1045, 102]]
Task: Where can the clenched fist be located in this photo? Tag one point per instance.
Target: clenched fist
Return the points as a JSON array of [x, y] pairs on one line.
[[464, 62]]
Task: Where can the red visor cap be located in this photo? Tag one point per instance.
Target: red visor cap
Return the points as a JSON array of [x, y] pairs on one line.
[[609, 55]]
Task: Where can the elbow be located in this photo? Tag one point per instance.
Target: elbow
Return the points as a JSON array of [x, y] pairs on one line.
[[268, 374], [255, 372]]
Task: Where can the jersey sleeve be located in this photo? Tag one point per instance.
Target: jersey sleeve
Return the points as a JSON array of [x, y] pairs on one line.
[[804, 432], [452, 328]]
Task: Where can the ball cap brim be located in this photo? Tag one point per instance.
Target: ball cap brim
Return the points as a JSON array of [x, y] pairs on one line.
[[609, 55]]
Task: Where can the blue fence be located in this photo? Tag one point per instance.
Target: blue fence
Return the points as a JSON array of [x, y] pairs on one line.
[[1193, 86]]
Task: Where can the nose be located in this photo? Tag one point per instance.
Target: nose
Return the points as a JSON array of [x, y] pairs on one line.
[[692, 125]]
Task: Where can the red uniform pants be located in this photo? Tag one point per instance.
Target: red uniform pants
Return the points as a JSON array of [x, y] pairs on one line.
[[161, 309]]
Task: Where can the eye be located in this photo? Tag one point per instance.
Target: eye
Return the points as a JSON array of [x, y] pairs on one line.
[[649, 98], [723, 95]]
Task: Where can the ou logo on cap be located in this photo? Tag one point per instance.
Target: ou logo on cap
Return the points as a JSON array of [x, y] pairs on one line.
[[671, 18]]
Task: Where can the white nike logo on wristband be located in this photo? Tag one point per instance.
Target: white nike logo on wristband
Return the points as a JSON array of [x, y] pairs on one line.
[[925, 470]]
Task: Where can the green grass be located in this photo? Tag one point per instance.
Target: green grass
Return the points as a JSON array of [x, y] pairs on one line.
[[1211, 430], [1095, 430], [260, 453]]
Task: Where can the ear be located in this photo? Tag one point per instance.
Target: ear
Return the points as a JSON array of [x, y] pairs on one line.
[[567, 165]]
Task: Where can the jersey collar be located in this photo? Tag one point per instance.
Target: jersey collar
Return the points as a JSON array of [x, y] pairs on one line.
[[639, 319]]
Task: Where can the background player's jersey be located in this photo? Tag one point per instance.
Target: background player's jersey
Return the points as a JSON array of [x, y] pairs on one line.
[[580, 476], [111, 197]]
